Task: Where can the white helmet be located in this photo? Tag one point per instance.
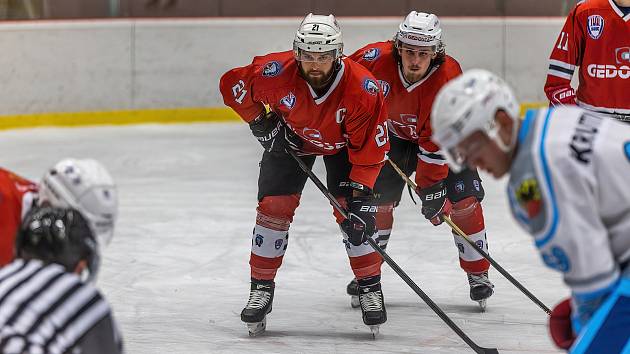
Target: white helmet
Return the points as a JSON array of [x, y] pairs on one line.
[[86, 186], [420, 29], [468, 104], [318, 33]]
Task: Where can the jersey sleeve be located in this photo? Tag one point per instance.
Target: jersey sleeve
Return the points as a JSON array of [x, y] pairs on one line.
[[237, 88], [367, 141], [431, 167], [565, 57]]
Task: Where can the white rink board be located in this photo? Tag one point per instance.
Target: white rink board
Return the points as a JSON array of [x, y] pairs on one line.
[[100, 65], [177, 276]]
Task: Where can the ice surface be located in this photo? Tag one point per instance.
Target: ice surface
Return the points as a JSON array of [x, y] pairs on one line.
[[177, 273]]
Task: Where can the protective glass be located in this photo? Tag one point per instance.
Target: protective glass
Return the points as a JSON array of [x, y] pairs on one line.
[[314, 57]]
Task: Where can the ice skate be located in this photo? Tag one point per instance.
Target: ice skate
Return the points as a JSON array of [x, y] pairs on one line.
[[480, 288], [353, 290], [372, 304], [258, 306]]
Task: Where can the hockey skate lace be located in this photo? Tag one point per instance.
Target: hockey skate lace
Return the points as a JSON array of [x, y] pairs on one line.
[[371, 301], [479, 280], [258, 299]]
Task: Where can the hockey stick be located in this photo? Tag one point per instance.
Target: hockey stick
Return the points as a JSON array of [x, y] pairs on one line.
[[392, 264], [485, 255]]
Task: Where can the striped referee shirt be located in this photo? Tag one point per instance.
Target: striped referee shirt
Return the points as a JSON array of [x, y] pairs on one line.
[[45, 309]]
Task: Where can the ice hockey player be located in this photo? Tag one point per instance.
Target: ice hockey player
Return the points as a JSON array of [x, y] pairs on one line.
[[46, 306], [411, 69], [320, 104], [83, 184], [595, 39], [568, 172]]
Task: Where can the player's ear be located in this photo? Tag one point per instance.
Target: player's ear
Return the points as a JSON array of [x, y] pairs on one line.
[[504, 123]]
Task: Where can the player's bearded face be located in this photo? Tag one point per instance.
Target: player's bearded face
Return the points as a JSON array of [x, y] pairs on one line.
[[415, 61], [316, 67]]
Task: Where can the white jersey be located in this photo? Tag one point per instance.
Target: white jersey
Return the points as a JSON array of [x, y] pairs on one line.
[[570, 188]]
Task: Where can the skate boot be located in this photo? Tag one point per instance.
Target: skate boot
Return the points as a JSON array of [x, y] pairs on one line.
[[480, 288], [353, 290], [258, 306], [372, 303]]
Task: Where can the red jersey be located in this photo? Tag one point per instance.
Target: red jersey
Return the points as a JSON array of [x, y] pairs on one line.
[[409, 105], [16, 197], [595, 37], [350, 114]]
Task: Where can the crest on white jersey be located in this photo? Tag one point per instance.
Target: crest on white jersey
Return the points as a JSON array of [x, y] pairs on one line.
[[288, 100], [595, 26]]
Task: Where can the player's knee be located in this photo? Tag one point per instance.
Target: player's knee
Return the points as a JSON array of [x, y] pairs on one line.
[[385, 216], [276, 212], [468, 215]]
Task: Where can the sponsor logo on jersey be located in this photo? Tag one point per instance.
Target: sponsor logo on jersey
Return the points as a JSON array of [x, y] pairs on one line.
[[601, 71], [384, 87], [259, 240], [278, 243], [556, 258], [477, 185], [528, 197], [271, 69], [622, 55], [460, 247], [626, 149], [312, 133], [409, 118], [370, 86], [459, 186], [288, 100], [479, 243], [371, 54], [581, 145], [595, 26]]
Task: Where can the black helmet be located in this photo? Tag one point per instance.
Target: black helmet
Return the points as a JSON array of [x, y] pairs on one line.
[[55, 235]]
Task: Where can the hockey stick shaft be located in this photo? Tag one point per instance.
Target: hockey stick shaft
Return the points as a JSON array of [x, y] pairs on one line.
[[393, 264], [485, 255]]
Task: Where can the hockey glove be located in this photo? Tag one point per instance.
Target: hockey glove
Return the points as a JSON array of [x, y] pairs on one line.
[[361, 221], [560, 325], [434, 202], [273, 134]]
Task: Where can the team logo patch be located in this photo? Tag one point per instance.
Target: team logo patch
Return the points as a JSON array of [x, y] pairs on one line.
[[272, 69], [384, 87], [278, 244], [370, 86], [622, 55], [459, 186], [528, 196], [288, 100], [626, 149], [556, 258], [479, 243], [259, 240], [312, 133], [595, 26], [371, 54], [476, 185]]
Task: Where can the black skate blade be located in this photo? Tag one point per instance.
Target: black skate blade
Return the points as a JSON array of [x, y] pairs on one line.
[[257, 328], [375, 330]]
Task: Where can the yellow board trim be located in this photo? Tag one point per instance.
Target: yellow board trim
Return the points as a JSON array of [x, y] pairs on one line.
[[141, 116]]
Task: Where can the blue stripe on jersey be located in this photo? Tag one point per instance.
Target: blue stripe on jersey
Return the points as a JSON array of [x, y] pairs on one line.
[[607, 331], [545, 167], [626, 148], [527, 123]]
